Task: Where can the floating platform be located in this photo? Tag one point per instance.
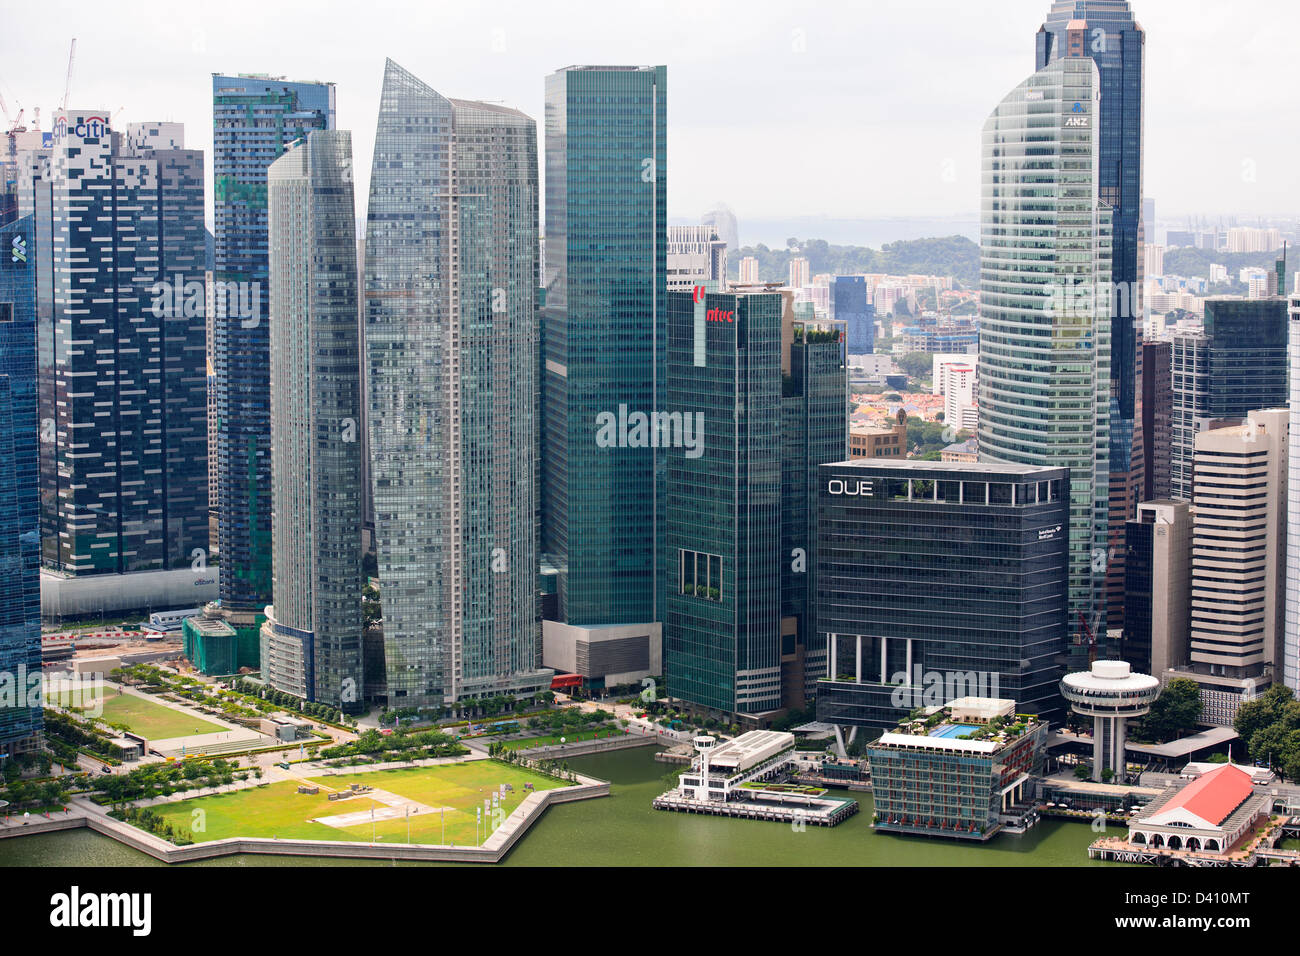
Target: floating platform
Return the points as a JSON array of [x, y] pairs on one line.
[[822, 812]]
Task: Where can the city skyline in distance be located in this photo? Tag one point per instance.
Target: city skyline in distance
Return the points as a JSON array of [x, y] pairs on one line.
[[892, 94]]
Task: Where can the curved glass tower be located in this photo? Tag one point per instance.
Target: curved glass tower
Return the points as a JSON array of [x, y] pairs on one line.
[[1044, 390], [311, 640], [451, 338]]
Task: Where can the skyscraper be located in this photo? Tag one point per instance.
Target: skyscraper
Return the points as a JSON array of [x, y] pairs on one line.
[[311, 640], [1157, 418], [1106, 32], [254, 118], [122, 372], [695, 256], [814, 432], [849, 298], [603, 339], [1044, 363], [723, 220], [722, 648], [1238, 564], [1291, 632], [938, 580], [20, 586], [451, 338], [1236, 362]]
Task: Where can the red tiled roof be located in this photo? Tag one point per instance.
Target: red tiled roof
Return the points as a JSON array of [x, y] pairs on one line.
[[1213, 796]]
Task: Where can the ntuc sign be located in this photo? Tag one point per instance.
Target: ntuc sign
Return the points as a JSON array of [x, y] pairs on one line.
[[711, 315], [88, 127]]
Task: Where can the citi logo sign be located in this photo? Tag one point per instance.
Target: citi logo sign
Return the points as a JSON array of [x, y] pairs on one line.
[[860, 487], [89, 128], [18, 249]]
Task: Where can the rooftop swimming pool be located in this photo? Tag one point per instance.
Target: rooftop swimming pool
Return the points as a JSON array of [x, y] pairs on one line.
[[954, 730]]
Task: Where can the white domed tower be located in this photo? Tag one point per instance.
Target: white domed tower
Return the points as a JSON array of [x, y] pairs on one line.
[[1111, 694]]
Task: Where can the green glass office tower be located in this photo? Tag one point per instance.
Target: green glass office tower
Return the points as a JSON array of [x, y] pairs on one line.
[[1045, 305], [311, 640], [722, 530], [603, 336], [254, 119], [451, 349]]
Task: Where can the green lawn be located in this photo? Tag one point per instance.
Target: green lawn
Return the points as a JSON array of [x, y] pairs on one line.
[[278, 810], [548, 740], [151, 720]]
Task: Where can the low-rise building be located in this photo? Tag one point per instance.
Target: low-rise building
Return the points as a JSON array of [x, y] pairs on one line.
[[1210, 814], [961, 772]]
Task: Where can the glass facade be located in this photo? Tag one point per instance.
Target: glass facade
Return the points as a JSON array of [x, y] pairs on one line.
[[1044, 361], [451, 333], [254, 118], [814, 431], [721, 640], [850, 306], [123, 473], [1236, 363], [316, 416], [938, 580], [20, 588], [603, 339], [1115, 42]]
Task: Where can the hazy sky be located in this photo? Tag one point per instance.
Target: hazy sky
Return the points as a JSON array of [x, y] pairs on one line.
[[847, 109]]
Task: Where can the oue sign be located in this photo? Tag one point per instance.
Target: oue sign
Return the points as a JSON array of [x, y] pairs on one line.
[[853, 487]]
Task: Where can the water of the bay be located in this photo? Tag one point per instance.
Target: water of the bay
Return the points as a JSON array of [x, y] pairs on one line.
[[624, 830]]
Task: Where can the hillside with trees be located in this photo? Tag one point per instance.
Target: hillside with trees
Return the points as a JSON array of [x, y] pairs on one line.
[[954, 256]]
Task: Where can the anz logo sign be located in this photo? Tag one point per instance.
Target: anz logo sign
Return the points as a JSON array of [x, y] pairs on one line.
[[1078, 117]]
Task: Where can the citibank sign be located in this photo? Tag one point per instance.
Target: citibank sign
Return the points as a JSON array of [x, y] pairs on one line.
[[853, 487], [89, 127]]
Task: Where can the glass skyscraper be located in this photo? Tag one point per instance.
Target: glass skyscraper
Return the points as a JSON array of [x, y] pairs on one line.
[[254, 118], [311, 640], [121, 371], [849, 298], [722, 561], [814, 431], [1044, 389], [1113, 40], [451, 339], [1107, 33], [1234, 364], [603, 339], [20, 587]]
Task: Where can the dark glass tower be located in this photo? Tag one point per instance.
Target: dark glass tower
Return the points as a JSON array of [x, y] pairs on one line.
[[119, 221], [723, 597], [1234, 364], [938, 580], [254, 118], [814, 431], [20, 588], [603, 336], [849, 294]]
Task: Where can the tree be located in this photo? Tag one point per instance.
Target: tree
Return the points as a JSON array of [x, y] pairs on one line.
[[1266, 709], [916, 364], [1174, 713]]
